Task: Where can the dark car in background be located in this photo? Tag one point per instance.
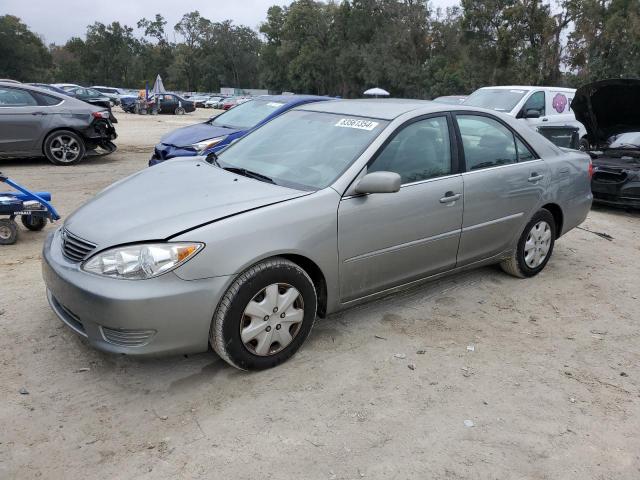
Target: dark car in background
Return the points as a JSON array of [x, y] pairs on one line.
[[170, 103], [610, 111], [93, 97], [218, 132], [39, 122]]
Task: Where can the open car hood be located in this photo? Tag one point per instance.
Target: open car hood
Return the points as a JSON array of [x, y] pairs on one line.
[[608, 107]]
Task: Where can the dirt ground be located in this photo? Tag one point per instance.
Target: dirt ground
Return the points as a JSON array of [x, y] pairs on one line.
[[546, 369]]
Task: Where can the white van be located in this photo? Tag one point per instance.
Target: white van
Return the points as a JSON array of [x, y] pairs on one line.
[[538, 106]]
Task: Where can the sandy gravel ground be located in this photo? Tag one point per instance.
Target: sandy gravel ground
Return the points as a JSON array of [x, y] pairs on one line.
[[547, 371]]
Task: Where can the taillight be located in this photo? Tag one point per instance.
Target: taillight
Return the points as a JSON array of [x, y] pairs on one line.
[[100, 114], [590, 169]]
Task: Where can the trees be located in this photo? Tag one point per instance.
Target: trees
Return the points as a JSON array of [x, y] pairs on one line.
[[342, 47], [23, 55]]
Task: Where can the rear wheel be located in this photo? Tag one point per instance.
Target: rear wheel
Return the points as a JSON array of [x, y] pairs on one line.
[[33, 222], [265, 315], [534, 247], [8, 231], [64, 147]]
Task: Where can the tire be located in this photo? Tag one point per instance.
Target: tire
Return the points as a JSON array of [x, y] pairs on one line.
[[537, 239], [254, 294], [584, 144], [55, 143], [33, 222], [180, 111], [8, 231]]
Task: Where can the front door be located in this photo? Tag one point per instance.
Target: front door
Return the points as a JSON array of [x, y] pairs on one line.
[[21, 122], [503, 185], [386, 240]]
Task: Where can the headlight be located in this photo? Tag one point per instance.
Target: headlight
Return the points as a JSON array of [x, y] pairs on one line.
[[206, 144], [139, 262]]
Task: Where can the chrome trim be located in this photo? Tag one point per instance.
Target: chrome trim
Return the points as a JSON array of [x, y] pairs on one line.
[[403, 246], [470, 172]]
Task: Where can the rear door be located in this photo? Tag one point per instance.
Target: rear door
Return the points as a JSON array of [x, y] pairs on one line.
[[503, 185], [22, 122], [389, 239]]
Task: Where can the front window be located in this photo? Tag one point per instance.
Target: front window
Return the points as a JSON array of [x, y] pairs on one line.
[[247, 114], [499, 99], [307, 150]]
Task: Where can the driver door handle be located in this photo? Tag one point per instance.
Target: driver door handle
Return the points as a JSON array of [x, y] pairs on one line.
[[535, 177], [450, 197]]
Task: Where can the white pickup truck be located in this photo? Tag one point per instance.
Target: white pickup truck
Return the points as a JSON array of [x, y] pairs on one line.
[[538, 106]]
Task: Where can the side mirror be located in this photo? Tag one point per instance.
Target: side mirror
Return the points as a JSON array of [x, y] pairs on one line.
[[379, 182], [532, 113]]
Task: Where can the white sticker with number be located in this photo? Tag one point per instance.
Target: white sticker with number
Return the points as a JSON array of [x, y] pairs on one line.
[[356, 123], [274, 104]]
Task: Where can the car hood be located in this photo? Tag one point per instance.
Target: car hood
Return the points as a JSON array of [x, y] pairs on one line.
[[160, 202], [608, 107], [185, 136]]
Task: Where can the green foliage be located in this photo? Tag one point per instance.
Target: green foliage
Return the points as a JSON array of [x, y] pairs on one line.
[[344, 47], [23, 55]]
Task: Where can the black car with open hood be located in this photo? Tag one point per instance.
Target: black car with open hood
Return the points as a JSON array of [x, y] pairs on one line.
[[610, 112]]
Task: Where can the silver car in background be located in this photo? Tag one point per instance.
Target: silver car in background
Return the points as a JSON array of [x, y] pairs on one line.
[[38, 122], [329, 205]]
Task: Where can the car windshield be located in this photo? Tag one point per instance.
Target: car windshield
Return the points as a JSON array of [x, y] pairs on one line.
[[500, 99], [247, 115], [300, 149]]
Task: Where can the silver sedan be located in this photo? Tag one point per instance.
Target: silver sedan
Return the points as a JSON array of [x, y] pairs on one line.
[[326, 206]]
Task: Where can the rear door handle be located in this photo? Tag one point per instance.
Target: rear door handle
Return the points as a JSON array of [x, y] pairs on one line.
[[535, 177], [545, 119], [37, 113], [450, 197]]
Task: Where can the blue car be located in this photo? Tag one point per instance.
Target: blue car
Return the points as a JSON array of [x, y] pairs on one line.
[[218, 132]]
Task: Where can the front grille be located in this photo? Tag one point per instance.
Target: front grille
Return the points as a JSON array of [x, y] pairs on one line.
[[127, 338], [75, 248]]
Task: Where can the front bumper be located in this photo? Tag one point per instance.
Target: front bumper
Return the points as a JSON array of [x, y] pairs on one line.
[[163, 152], [618, 187], [160, 316]]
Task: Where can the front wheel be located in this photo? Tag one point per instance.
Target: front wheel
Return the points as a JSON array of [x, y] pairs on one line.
[[535, 246], [180, 111], [265, 315], [64, 147]]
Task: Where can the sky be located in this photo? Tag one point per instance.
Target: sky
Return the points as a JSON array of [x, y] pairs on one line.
[[60, 20]]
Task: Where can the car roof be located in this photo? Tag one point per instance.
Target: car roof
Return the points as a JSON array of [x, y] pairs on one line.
[[382, 108], [292, 99], [528, 87]]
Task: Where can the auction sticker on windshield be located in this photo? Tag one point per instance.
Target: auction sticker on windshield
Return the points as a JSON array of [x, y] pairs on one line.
[[274, 104], [356, 123]]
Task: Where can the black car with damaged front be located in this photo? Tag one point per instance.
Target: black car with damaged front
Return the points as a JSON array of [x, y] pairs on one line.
[[609, 110]]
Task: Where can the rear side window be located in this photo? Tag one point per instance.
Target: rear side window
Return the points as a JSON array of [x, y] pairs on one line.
[[486, 142], [47, 100], [418, 152], [15, 97]]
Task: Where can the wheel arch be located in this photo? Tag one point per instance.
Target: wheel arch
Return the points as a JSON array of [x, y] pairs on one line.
[[317, 276], [558, 216]]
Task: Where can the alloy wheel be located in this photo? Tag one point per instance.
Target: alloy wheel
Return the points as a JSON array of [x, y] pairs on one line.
[[65, 148]]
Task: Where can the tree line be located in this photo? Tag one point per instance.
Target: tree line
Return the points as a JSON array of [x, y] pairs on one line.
[[341, 48]]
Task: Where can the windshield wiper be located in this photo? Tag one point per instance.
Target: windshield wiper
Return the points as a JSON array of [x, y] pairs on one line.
[[248, 173]]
